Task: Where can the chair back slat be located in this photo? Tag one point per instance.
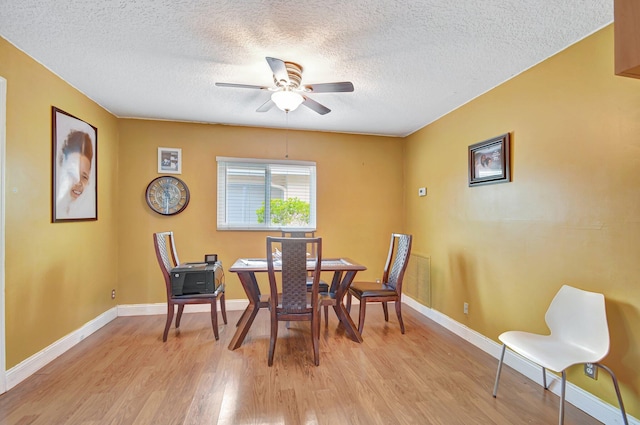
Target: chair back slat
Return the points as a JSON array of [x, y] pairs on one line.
[[399, 251], [297, 234], [167, 245], [166, 255], [294, 254], [163, 257], [301, 234], [294, 275]]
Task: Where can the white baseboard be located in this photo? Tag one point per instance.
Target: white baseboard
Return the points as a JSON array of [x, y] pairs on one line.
[[580, 398], [161, 308], [31, 365], [583, 400]]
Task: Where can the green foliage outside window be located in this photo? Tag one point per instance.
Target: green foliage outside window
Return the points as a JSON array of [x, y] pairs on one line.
[[286, 212]]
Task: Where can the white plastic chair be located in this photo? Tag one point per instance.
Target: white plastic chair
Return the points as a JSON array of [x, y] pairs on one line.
[[579, 334]]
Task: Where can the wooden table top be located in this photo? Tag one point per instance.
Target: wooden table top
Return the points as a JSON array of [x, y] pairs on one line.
[[328, 264]]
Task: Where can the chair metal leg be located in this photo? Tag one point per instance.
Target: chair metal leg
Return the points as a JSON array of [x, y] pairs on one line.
[[495, 386], [562, 392], [617, 388], [563, 387], [169, 320]]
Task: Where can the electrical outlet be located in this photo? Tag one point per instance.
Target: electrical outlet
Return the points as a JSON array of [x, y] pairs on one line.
[[466, 308], [113, 294], [422, 191], [591, 370]]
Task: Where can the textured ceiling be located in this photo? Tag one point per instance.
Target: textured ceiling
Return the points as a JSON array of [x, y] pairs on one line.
[[410, 61]]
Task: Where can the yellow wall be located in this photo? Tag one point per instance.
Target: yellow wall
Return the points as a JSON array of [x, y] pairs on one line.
[[358, 193], [58, 276], [571, 215]]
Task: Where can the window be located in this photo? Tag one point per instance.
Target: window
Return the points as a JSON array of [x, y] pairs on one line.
[[256, 194]]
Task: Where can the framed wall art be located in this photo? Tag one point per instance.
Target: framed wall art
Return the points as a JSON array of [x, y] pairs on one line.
[[74, 168], [169, 161], [489, 161]]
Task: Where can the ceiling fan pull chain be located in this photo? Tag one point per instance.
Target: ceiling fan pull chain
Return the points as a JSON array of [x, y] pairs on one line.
[[286, 135]]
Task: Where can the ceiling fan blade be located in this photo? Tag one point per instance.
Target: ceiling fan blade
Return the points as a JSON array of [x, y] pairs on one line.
[[265, 106], [313, 105], [345, 86], [279, 69], [241, 86]]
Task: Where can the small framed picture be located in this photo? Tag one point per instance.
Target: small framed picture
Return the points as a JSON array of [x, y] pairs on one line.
[[169, 161], [74, 168], [489, 161]]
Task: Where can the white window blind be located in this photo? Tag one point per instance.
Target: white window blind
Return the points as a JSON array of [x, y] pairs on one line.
[[256, 194]]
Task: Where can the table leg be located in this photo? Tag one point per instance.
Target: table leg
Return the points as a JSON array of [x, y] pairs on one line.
[[244, 313], [341, 310], [251, 288], [243, 327], [335, 282]]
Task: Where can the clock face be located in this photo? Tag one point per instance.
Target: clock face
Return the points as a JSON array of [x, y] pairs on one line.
[[167, 195]]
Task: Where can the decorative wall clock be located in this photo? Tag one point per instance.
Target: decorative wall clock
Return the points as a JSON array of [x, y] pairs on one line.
[[167, 195]]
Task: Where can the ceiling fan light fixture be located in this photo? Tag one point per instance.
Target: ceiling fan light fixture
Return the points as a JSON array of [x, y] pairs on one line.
[[286, 94], [287, 100]]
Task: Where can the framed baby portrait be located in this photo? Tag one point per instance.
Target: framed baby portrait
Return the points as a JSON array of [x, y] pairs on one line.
[[74, 167]]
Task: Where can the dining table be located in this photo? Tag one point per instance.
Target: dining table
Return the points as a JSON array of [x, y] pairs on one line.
[[344, 271]]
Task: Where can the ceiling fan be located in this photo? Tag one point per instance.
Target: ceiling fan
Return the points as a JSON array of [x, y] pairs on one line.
[[288, 92]]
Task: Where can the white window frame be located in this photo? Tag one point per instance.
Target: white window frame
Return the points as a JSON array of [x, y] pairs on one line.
[[223, 164]]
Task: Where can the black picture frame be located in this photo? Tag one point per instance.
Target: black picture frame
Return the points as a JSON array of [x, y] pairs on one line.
[[490, 161], [74, 165]]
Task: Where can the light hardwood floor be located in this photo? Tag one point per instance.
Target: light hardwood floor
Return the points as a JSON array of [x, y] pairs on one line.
[[124, 374]]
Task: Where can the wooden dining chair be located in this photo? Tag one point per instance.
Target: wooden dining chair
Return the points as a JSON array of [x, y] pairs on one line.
[[167, 256], [323, 287], [294, 303], [390, 288]]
